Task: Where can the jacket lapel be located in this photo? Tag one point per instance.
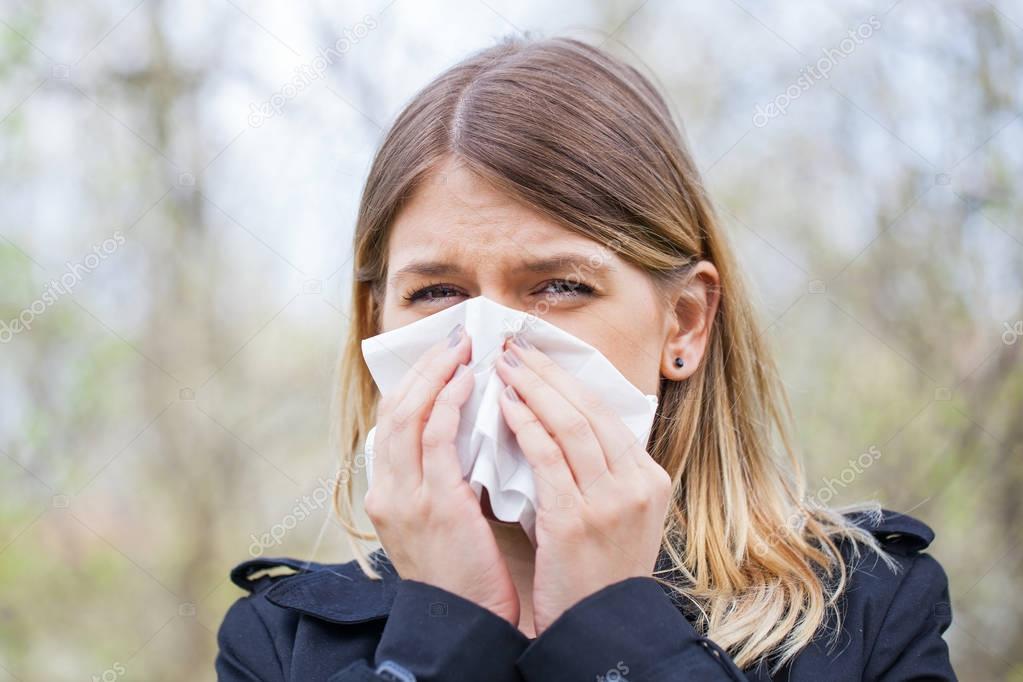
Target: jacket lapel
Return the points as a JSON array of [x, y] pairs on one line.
[[339, 593]]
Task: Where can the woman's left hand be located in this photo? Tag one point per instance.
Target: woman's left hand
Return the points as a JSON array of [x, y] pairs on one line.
[[602, 498]]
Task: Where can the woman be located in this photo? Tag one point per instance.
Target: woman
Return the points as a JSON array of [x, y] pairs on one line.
[[547, 175]]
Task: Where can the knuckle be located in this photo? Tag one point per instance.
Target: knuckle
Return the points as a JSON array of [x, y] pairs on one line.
[[445, 397], [436, 387], [531, 425], [532, 422], [641, 503], [545, 364], [594, 403], [401, 418], [577, 425], [433, 436], [534, 383], [615, 457], [373, 504], [549, 453]]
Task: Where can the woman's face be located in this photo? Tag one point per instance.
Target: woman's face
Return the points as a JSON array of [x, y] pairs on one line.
[[459, 237]]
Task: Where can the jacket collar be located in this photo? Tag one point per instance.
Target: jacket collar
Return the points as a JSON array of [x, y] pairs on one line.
[[339, 593], [896, 531], [342, 593]]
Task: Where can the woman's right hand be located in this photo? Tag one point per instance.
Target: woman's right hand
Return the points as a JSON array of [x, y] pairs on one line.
[[428, 519]]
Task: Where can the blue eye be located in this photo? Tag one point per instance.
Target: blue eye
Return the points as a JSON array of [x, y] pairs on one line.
[[559, 287], [428, 293], [569, 289]]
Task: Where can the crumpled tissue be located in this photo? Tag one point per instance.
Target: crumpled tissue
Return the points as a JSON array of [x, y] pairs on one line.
[[487, 448]]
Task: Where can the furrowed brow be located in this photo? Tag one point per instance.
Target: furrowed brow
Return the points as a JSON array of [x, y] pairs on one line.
[[559, 262], [569, 260]]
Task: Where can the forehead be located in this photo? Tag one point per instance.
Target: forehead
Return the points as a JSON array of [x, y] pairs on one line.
[[456, 215]]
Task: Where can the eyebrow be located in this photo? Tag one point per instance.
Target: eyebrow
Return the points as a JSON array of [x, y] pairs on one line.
[[558, 262]]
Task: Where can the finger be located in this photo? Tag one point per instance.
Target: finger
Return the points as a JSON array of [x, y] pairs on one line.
[[551, 472], [381, 449], [622, 450], [441, 466], [569, 426], [402, 423], [416, 370]]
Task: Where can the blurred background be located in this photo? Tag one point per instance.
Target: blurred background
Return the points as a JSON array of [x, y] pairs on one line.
[[178, 185]]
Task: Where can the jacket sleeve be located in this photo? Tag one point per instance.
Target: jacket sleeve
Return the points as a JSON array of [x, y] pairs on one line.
[[246, 652], [629, 630], [438, 635], [909, 645]]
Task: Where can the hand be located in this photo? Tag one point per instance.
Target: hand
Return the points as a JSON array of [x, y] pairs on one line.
[[427, 517], [602, 499]]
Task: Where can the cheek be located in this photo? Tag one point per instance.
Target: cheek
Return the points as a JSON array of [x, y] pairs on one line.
[[387, 321], [634, 351], [393, 315], [638, 361]]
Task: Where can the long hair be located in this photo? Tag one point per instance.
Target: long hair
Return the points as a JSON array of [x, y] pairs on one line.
[[586, 139]]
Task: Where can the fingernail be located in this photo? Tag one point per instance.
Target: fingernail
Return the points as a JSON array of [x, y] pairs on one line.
[[455, 335], [509, 358], [512, 394], [521, 342]]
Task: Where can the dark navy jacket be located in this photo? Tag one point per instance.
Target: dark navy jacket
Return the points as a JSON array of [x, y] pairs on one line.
[[331, 622]]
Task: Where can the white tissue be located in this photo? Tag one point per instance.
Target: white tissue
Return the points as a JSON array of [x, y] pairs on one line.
[[489, 453]]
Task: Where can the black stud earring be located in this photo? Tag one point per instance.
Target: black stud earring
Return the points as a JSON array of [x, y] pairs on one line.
[[679, 362]]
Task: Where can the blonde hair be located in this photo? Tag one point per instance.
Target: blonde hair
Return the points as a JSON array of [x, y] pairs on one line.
[[585, 139]]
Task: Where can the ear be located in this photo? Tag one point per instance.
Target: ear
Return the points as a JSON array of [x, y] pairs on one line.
[[689, 328]]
